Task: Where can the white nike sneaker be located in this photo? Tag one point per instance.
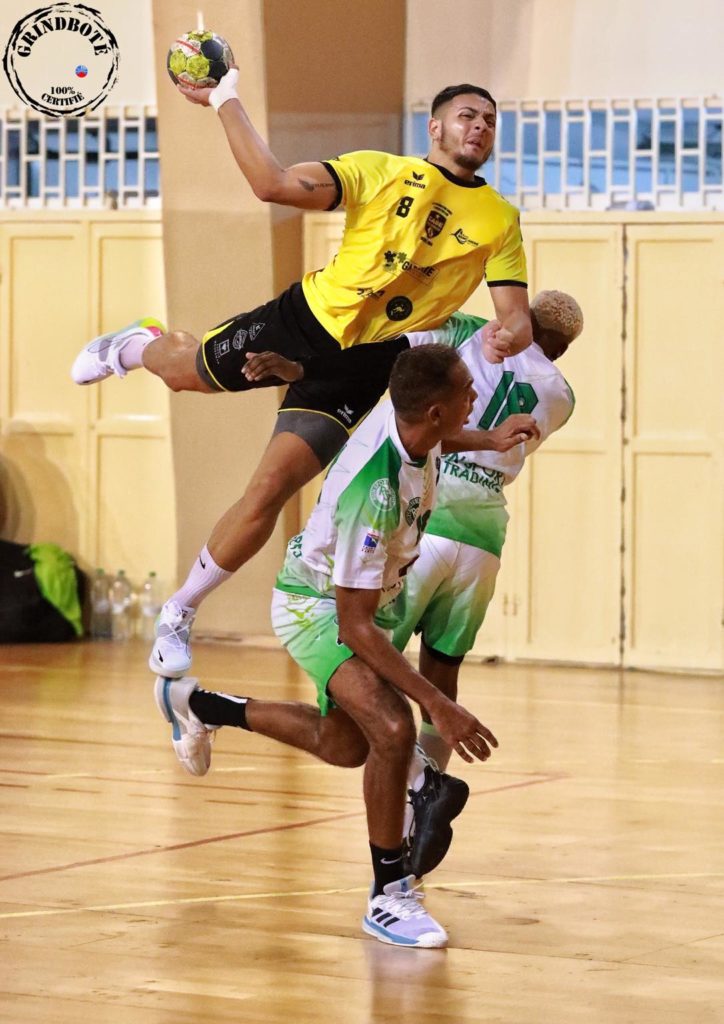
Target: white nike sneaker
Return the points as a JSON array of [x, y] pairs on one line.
[[101, 357], [190, 737], [171, 652], [398, 918]]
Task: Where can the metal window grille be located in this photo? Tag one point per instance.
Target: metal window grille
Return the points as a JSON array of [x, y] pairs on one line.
[[106, 159], [602, 154]]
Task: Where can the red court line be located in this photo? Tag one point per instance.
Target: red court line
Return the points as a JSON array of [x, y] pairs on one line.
[[251, 832]]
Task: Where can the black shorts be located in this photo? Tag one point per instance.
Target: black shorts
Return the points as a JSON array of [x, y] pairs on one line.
[[287, 325]]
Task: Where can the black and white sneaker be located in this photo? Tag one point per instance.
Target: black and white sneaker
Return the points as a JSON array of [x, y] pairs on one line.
[[434, 805]]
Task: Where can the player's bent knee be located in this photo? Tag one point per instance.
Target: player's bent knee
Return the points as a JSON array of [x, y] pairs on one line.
[[395, 733]]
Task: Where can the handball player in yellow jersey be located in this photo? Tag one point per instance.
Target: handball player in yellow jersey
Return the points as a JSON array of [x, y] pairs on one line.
[[420, 235]]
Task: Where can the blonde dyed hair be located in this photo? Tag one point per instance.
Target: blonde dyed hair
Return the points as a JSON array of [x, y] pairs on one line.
[[559, 312]]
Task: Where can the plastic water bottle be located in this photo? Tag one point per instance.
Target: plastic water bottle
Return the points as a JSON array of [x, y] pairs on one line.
[[121, 598], [150, 601], [100, 618]]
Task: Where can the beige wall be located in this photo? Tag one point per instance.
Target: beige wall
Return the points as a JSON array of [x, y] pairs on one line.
[[555, 48], [86, 468]]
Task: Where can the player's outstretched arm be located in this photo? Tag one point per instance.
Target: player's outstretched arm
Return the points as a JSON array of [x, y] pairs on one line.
[[309, 186], [357, 629], [514, 332], [517, 429]]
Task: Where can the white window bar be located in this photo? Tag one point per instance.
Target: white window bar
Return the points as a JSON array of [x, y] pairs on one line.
[[637, 153], [107, 159]]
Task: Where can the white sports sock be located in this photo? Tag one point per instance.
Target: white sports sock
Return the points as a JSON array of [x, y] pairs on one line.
[[434, 745], [131, 355], [204, 577], [416, 771]]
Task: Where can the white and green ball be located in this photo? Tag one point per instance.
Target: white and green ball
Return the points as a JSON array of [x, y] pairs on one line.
[[199, 59]]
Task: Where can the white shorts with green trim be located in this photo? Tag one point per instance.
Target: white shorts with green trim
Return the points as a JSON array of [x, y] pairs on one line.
[[449, 589], [309, 629]]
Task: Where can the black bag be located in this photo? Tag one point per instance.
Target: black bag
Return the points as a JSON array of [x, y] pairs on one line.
[[25, 615]]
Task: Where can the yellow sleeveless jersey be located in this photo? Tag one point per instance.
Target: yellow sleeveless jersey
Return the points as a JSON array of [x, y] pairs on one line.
[[417, 242]]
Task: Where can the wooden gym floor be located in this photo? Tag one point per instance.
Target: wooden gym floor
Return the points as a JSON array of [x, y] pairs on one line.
[[584, 884]]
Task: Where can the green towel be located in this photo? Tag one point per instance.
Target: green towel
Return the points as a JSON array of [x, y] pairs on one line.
[[56, 579]]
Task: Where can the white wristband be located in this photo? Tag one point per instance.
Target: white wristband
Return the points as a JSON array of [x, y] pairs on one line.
[[225, 90]]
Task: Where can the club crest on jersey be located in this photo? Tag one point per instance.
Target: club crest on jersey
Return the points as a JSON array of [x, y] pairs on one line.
[[369, 545], [221, 348], [411, 510], [434, 224], [382, 495]]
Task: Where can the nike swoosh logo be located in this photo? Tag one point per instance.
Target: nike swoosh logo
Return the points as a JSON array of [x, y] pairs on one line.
[[159, 656], [203, 563], [395, 861]]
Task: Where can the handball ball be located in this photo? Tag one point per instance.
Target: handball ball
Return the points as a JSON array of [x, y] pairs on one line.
[[199, 60]]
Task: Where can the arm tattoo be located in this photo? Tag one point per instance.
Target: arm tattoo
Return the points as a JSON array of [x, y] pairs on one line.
[[309, 186]]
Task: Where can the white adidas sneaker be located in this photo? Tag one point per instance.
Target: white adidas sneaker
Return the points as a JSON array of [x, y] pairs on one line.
[[190, 737], [397, 917], [171, 651], [101, 357]]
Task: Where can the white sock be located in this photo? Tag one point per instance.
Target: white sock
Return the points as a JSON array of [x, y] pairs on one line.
[[415, 780], [434, 745], [416, 771], [204, 577], [131, 355]]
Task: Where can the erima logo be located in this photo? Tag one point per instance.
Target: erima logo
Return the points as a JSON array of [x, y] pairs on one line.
[[418, 177]]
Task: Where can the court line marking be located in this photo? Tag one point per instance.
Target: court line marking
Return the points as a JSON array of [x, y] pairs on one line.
[[251, 832], [443, 886]]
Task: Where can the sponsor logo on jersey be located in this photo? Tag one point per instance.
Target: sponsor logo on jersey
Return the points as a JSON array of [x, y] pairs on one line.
[[255, 330], [370, 293], [369, 545], [463, 239], [239, 339], [412, 510], [398, 308], [221, 348], [457, 466], [382, 495], [417, 270]]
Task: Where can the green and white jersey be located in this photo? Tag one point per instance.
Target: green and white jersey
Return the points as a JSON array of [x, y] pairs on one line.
[[366, 527], [471, 504]]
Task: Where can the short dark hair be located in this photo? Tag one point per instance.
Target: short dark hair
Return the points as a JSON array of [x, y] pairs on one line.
[[420, 377], [451, 91]]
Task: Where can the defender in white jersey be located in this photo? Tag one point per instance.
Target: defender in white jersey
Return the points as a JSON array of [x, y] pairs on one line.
[[337, 597], [452, 583]]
